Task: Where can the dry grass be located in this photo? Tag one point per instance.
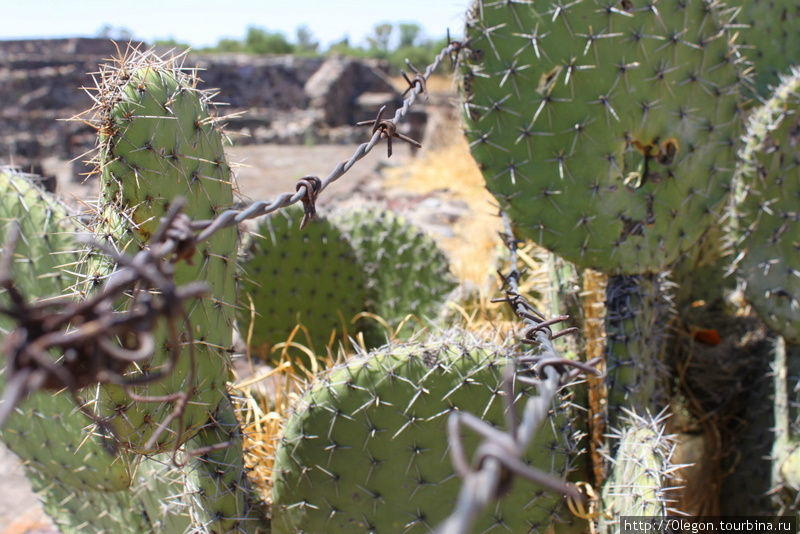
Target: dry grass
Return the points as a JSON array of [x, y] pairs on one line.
[[452, 174]]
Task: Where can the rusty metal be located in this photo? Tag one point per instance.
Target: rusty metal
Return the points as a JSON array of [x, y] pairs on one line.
[[387, 128], [418, 82]]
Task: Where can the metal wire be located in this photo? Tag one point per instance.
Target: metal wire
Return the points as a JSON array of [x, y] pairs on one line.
[[258, 208], [500, 456]]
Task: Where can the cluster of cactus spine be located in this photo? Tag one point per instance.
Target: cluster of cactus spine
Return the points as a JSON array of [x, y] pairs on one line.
[[607, 132]]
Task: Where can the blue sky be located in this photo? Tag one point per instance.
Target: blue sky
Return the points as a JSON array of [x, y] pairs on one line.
[[203, 22]]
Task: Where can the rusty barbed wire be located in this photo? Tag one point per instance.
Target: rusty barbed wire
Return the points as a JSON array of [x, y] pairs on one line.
[[499, 458], [88, 332], [99, 344]]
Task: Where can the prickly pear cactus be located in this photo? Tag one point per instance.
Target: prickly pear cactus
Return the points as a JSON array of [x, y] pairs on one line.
[[155, 503], [217, 479], [290, 276], [767, 213], [638, 473], [158, 142], [769, 35], [366, 449], [638, 307], [605, 130], [46, 430], [407, 273]]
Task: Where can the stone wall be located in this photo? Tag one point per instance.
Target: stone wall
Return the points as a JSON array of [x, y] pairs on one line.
[[275, 99]]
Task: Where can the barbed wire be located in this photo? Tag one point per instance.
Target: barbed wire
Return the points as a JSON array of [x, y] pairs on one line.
[[500, 457], [86, 333], [93, 354]]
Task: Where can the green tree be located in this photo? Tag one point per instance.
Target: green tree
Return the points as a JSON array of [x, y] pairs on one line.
[[117, 33], [409, 32], [262, 41], [228, 45], [379, 42], [305, 41]]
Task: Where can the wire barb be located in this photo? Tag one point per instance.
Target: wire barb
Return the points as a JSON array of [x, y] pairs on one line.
[[387, 129], [311, 185]]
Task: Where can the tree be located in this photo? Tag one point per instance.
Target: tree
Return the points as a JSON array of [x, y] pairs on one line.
[[380, 40], [305, 40], [409, 31], [261, 41], [117, 33]]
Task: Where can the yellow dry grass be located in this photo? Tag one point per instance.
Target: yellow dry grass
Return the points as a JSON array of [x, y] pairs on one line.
[[452, 174]]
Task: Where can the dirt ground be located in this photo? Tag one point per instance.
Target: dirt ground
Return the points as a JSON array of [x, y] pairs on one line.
[[263, 173]]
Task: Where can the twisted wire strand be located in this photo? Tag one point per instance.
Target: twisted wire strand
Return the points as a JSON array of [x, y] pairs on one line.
[[500, 456]]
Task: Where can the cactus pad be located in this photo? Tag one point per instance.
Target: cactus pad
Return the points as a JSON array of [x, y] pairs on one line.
[[407, 273], [291, 276], [605, 129], [768, 214], [159, 142], [47, 430], [366, 448]]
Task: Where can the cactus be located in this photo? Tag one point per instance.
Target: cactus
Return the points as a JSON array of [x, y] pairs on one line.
[[407, 274], [290, 277], [607, 132], [767, 213], [640, 468], [47, 431], [154, 503], [218, 482], [767, 225], [769, 38], [158, 142], [365, 448], [637, 308]]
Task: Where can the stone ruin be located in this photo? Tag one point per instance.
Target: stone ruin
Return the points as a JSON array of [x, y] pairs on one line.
[[269, 99]]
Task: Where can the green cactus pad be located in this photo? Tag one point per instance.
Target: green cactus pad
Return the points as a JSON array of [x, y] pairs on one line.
[[639, 471], [606, 130], [159, 142], [218, 480], [769, 214], [769, 35], [47, 430], [156, 503], [366, 449], [291, 276], [407, 273]]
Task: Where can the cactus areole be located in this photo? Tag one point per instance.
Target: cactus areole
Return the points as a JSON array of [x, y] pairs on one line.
[[606, 129]]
